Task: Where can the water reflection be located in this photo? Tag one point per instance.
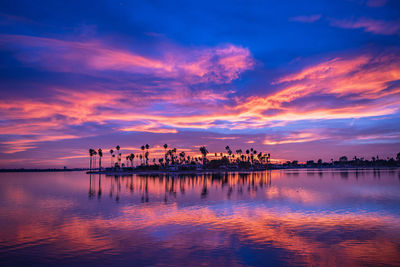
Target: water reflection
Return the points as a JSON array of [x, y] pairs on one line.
[[174, 185], [292, 217]]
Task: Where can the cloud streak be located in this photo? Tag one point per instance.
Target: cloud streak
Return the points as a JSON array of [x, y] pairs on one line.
[[369, 25], [306, 19], [218, 65]]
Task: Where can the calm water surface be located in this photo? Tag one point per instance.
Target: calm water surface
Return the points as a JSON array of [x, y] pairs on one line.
[[279, 218]]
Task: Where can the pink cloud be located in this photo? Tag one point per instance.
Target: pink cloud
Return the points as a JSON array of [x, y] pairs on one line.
[[369, 25], [376, 3], [219, 64]]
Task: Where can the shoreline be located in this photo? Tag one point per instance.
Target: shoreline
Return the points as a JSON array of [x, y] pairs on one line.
[[188, 172], [198, 171]]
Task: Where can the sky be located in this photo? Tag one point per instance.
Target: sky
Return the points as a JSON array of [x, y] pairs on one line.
[[301, 80]]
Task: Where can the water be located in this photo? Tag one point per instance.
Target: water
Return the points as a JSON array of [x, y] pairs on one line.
[[287, 218]]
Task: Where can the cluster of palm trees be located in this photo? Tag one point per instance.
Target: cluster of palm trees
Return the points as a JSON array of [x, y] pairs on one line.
[[92, 154], [172, 157], [251, 155]]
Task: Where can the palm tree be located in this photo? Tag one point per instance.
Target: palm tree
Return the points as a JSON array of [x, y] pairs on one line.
[[111, 152], [182, 156], [247, 152], [204, 152], [91, 154], [259, 156], [228, 150], [173, 156], [146, 156], [94, 158], [118, 154], [142, 148], [131, 157], [100, 151], [239, 151], [147, 153]]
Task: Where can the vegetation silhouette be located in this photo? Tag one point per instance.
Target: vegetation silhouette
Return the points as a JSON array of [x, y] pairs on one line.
[[229, 160]]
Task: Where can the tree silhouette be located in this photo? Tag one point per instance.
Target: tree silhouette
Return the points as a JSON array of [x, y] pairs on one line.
[[204, 152], [111, 157], [118, 154], [91, 154], [100, 152]]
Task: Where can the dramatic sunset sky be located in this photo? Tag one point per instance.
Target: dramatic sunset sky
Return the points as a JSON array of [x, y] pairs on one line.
[[298, 79]]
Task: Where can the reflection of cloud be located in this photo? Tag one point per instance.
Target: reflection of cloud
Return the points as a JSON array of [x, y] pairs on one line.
[[357, 237]]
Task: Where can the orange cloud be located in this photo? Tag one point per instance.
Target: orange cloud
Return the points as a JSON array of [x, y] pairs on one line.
[[353, 86]]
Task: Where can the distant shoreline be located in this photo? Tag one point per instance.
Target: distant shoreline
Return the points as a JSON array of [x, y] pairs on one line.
[[44, 170], [156, 172], [196, 171]]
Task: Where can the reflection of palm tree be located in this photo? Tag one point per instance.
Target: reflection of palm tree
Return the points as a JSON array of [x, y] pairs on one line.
[[99, 191], [91, 190]]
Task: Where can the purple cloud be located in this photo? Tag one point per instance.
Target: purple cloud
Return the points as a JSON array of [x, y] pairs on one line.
[[369, 25], [306, 19]]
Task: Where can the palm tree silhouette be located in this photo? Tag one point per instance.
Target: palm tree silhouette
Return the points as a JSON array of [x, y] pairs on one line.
[[100, 151], [111, 157], [239, 151], [146, 156], [204, 152], [147, 153], [131, 157], [91, 154], [119, 154]]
